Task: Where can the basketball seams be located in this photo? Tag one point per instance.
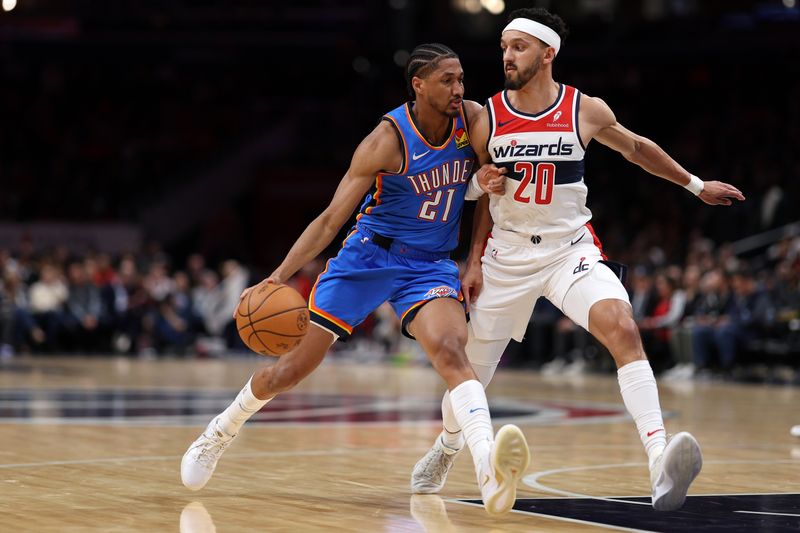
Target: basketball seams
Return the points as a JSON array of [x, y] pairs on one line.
[[283, 341], [267, 297], [252, 322], [254, 333]]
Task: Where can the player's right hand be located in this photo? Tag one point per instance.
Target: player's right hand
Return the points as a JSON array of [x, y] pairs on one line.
[[492, 179], [271, 279], [472, 283], [242, 297]]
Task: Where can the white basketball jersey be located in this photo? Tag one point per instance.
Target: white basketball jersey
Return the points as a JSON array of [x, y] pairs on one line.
[[545, 192]]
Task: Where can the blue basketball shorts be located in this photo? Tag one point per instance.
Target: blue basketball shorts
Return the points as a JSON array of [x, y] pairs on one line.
[[364, 275]]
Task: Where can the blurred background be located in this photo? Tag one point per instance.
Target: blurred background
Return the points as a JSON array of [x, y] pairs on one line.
[[158, 157]]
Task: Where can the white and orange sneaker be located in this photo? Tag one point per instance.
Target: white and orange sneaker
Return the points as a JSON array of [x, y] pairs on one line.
[[510, 458]]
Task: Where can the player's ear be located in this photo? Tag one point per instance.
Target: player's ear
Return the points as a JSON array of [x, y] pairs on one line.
[[417, 84], [549, 55]]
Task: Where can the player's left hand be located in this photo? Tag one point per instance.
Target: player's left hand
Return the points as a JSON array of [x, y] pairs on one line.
[[492, 179], [719, 193], [472, 283]]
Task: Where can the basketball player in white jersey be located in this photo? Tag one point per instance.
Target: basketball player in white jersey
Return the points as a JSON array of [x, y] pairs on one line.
[[541, 244]]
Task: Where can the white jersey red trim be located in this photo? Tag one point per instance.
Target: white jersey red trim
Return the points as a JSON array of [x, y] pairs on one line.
[[544, 157]]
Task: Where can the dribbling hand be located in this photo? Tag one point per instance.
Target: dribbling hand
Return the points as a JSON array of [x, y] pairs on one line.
[[272, 279], [719, 193], [491, 179]]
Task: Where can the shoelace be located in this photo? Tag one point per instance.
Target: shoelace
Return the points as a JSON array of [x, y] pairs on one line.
[[211, 450], [441, 464]]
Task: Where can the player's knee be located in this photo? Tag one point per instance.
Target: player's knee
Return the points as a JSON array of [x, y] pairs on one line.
[[449, 352], [617, 328]]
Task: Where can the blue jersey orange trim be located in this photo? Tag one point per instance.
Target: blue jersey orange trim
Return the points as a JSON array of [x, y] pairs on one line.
[[412, 121], [399, 131]]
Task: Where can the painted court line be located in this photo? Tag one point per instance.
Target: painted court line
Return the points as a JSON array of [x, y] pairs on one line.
[[145, 458]]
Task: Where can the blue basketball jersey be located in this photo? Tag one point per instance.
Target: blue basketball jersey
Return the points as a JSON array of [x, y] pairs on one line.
[[421, 204]]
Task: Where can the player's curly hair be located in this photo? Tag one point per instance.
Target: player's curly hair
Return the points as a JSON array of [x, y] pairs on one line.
[[424, 59], [543, 16]]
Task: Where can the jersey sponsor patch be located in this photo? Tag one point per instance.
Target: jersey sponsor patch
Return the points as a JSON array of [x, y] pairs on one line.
[[442, 291], [462, 139]]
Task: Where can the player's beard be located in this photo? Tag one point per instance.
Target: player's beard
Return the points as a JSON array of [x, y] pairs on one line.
[[523, 76]]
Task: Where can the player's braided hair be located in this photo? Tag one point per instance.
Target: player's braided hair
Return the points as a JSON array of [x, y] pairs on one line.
[[424, 59]]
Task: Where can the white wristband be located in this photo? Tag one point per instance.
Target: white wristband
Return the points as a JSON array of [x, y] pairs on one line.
[[695, 185], [474, 190]]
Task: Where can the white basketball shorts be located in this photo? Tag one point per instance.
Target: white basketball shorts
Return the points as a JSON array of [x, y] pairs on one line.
[[517, 271]]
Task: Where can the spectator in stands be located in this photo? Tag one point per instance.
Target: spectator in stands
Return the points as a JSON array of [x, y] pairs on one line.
[[235, 279], [712, 322], [84, 318], [656, 328], [47, 297]]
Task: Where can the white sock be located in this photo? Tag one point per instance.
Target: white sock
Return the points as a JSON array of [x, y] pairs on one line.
[[452, 436], [471, 410], [640, 394], [477, 350], [243, 407]]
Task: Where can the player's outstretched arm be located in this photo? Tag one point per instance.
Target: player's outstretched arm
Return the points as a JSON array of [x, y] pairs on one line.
[[648, 155]]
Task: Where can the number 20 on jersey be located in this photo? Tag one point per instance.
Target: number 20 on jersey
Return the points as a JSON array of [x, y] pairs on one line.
[[545, 174]]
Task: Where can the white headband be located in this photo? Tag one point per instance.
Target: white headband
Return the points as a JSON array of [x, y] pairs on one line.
[[537, 29]]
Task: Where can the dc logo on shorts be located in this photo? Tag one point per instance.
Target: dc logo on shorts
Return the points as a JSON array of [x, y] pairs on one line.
[[442, 291], [581, 267]]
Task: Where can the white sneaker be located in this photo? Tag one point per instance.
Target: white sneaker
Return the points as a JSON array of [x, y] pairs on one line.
[[201, 458], [509, 459], [430, 472], [674, 471]]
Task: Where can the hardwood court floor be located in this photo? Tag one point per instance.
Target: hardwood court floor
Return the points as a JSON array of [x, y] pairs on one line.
[[95, 445]]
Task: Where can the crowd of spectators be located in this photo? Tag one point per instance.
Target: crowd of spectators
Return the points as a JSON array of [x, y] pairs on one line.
[[137, 303], [712, 314]]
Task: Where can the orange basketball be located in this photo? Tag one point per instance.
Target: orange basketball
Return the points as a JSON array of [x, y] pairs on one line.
[[272, 319]]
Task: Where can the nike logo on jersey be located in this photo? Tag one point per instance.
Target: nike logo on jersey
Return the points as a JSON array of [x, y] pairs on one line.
[[477, 409], [651, 433], [576, 241], [509, 121], [416, 156], [364, 240]]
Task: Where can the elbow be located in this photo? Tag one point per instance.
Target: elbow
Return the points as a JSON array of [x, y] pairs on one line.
[[329, 223]]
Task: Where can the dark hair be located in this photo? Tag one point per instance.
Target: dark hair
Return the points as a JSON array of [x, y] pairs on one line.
[[543, 16], [424, 59]]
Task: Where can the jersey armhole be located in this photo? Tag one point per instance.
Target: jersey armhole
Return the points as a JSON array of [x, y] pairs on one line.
[[576, 109], [489, 109], [403, 147]]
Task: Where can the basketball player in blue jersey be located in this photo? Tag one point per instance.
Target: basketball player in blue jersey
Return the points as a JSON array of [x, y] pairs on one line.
[[542, 244], [414, 169]]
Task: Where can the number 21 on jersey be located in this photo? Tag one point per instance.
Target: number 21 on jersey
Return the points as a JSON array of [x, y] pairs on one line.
[[431, 208], [545, 180]]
